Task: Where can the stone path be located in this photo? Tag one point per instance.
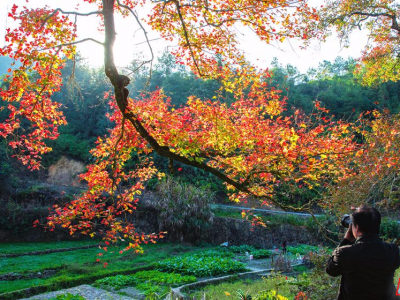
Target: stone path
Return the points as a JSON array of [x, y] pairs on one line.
[[86, 291]]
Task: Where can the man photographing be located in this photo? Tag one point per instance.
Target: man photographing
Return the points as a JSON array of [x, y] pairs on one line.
[[366, 263]]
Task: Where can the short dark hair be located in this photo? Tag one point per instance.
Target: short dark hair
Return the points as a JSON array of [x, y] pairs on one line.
[[368, 219]]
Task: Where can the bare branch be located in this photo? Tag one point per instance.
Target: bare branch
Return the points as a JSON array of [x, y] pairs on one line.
[[69, 13], [325, 230], [73, 43], [145, 34], [367, 15], [371, 14]]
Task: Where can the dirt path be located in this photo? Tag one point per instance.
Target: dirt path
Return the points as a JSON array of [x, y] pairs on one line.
[[259, 264]]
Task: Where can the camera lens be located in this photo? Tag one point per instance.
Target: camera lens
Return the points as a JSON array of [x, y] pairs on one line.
[[346, 221]]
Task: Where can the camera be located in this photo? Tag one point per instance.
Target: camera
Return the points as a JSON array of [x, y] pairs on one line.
[[346, 221]]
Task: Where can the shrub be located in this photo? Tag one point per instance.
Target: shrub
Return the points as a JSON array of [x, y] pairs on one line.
[[201, 265], [242, 249], [318, 284], [71, 145], [7, 172], [243, 295], [221, 252], [68, 296], [261, 253], [171, 279], [329, 230], [389, 229], [184, 210], [303, 249], [148, 288], [269, 295], [117, 282]]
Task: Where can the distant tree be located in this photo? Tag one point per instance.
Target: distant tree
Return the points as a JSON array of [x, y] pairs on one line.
[[375, 180], [7, 174], [177, 81], [331, 83]]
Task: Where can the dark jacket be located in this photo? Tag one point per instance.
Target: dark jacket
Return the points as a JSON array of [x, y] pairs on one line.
[[367, 267]]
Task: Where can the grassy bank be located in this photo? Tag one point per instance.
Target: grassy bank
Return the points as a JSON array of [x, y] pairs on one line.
[[23, 247]]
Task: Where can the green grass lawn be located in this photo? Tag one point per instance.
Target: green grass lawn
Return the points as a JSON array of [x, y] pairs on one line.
[[35, 263], [17, 248], [78, 266]]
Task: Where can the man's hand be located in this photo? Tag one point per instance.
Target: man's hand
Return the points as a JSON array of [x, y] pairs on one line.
[[349, 234]]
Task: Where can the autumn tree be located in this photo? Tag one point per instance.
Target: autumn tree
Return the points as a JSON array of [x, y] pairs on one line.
[[379, 19], [376, 166], [249, 144], [375, 180]]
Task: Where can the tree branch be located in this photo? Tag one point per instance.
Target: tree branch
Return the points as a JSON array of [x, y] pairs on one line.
[[119, 83], [69, 13], [393, 17], [178, 8], [74, 43], [145, 34], [166, 152]]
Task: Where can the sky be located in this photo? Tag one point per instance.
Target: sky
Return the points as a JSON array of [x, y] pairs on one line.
[[128, 45]]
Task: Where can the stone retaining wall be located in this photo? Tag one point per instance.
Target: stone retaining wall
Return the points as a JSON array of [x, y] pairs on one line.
[[233, 231], [237, 232]]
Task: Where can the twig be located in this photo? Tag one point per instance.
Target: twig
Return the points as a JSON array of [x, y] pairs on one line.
[[146, 36], [69, 13], [72, 43]]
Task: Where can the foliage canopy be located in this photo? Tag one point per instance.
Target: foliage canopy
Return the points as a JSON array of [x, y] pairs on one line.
[[249, 143]]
